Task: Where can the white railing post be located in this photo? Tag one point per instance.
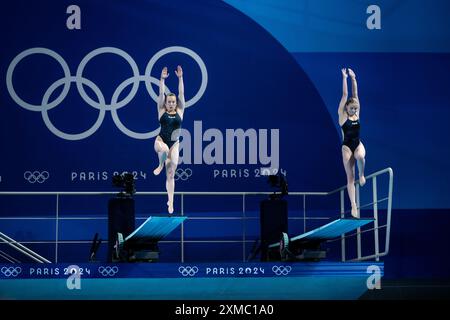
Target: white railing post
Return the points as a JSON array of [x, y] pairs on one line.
[[243, 227], [358, 230], [182, 229], [342, 195], [304, 213], [57, 227], [389, 209], [375, 217]]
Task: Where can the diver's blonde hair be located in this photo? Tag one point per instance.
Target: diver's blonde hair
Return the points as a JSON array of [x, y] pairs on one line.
[[351, 100]]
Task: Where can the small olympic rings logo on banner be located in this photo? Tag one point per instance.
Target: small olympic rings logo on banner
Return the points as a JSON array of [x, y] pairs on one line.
[[188, 271], [36, 176], [281, 270], [101, 104], [181, 174], [11, 271], [108, 271]]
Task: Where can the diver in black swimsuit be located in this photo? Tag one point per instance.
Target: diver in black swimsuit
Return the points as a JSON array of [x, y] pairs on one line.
[[170, 115], [352, 148], [169, 123], [350, 129]]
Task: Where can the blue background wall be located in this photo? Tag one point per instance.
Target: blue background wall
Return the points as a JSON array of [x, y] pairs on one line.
[[270, 65]]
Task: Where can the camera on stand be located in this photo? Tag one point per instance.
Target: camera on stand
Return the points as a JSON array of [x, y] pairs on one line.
[[278, 182], [126, 182]]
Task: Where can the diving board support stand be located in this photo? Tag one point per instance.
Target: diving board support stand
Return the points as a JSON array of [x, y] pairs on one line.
[[307, 245]]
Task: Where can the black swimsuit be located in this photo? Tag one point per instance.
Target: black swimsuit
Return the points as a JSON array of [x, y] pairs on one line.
[[169, 123], [351, 134]]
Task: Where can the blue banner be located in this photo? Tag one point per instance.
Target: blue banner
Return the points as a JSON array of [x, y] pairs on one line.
[[196, 270], [80, 88]]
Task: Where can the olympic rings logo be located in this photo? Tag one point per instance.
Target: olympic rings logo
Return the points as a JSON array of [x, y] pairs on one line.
[[181, 174], [108, 271], [281, 270], [101, 104], [11, 271], [188, 271], [36, 176]]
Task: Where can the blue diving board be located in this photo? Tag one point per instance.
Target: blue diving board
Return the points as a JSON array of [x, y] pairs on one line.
[[155, 228], [331, 230]]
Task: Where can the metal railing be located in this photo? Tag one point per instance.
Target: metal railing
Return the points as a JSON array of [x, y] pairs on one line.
[[377, 254], [21, 248], [183, 195]]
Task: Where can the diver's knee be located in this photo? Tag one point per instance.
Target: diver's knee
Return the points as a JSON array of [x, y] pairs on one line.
[[170, 173]]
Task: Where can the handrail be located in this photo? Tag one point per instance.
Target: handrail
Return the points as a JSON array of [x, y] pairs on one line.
[[6, 256], [391, 173], [19, 247], [238, 193], [155, 193], [377, 254]]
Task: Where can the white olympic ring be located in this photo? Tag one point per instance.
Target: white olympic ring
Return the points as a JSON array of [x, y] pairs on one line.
[[108, 271], [36, 176], [188, 271], [11, 271], [101, 104], [183, 174], [281, 270]]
